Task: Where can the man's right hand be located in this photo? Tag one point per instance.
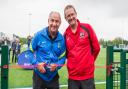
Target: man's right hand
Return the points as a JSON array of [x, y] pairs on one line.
[[41, 68]]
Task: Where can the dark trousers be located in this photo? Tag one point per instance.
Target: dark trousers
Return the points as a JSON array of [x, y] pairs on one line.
[[39, 83], [16, 55], [14, 58], [81, 84]]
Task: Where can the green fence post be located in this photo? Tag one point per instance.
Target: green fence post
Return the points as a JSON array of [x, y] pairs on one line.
[[123, 70], [4, 67], [109, 73]]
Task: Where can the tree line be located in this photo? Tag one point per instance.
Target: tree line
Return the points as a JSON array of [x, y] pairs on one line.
[[114, 42]]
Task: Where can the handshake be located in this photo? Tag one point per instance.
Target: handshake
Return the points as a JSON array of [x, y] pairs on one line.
[[41, 67]]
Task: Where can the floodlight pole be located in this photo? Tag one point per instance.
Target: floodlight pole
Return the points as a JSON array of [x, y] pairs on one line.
[[122, 30], [29, 25]]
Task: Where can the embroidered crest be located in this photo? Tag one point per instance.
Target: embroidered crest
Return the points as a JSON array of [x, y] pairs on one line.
[[82, 35]]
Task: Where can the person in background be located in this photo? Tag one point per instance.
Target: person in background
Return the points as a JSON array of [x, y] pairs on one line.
[[13, 48], [18, 48], [29, 41], [49, 48], [82, 50]]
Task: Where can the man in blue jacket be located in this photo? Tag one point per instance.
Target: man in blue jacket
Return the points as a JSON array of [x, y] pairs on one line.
[[49, 48]]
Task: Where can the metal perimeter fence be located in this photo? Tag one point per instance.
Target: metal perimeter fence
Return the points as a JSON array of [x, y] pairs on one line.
[[117, 72]]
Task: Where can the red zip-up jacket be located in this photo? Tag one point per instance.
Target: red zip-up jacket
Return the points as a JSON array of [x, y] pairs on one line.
[[80, 59]]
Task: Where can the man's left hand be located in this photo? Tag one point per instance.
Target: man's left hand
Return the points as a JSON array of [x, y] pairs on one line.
[[53, 67]]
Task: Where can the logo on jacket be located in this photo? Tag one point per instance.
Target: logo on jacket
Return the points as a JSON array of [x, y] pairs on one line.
[[58, 44], [82, 35]]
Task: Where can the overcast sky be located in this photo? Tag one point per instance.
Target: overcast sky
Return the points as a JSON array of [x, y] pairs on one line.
[[109, 18]]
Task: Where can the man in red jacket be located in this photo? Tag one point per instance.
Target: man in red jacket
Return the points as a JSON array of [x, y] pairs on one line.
[[82, 50]]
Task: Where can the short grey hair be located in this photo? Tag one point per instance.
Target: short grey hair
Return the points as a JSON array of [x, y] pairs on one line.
[[54, 12]]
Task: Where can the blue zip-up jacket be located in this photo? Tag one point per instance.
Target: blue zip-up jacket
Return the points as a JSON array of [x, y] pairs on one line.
[[48, 51]]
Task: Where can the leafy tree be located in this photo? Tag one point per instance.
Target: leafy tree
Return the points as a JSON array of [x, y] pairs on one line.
[[23, 40], [118, 40]]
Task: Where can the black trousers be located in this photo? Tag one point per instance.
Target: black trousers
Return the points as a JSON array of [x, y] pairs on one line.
[[14, 58], [81, 84], [39, 83]]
